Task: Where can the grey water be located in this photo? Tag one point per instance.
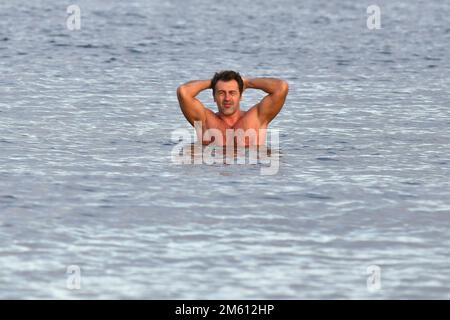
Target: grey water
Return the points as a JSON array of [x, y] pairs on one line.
[[87, 178]]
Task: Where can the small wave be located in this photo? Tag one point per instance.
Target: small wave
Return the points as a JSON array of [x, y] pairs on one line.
[[61, 45], [135, 15], [322, 20], [412, 183], [317, 196], [133, 50], [326, 159], [343, 62], [431, 59], [7, 197], [93, 46]]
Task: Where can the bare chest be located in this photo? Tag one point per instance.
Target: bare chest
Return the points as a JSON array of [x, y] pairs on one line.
[[247, 131]]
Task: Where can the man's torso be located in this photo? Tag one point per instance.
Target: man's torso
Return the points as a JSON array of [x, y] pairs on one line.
[[246, 131]]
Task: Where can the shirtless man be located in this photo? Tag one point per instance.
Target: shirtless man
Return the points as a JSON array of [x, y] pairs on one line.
[[227, 87]]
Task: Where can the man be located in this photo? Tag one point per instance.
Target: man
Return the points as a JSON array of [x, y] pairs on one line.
[[246, 127]]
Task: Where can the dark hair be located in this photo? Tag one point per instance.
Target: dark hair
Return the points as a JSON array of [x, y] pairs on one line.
[[227, 75]]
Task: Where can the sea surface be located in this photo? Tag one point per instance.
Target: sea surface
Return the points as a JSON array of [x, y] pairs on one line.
[[92, 205]]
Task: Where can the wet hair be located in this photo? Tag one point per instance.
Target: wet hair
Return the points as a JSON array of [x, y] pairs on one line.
[[227, 75]]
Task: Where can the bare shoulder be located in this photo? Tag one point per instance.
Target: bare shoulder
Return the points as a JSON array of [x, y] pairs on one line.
[[250, 119], [252, 114], [212, 118], [211, 115]]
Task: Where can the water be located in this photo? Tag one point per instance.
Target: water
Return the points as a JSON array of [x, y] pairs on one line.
[[86, 177]]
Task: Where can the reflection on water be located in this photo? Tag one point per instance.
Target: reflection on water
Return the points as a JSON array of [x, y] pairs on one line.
[[87, 176], [195, 153]]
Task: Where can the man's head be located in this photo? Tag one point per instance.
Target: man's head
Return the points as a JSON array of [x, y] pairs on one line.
[[227, 89]]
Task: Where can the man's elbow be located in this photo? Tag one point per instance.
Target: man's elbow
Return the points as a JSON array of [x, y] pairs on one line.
[[284, 87], [181, 90]]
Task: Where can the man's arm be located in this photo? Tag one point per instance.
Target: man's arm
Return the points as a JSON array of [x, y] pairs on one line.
[[191, 107], [271, 104]]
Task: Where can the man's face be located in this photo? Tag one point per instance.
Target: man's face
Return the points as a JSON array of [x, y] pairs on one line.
[[227, 96]]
